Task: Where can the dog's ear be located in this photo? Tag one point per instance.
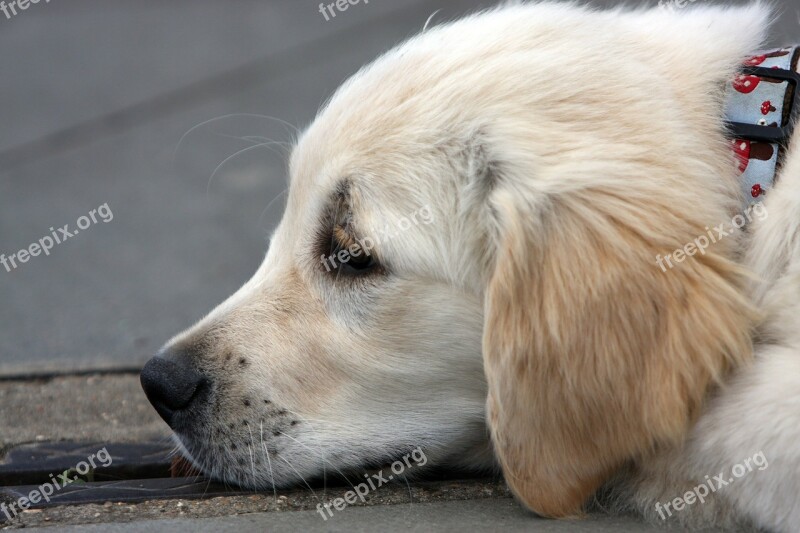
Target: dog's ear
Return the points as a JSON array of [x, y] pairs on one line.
[[594, 355]]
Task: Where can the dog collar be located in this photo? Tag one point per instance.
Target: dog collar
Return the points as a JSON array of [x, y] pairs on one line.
[[761, 110]]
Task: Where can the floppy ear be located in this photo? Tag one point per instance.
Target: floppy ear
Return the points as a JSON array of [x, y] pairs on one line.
[[594, 355]]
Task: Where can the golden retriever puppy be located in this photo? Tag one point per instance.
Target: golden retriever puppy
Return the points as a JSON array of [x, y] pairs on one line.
[[472, 263]]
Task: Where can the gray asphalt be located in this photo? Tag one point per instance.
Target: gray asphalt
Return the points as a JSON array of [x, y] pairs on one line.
[[96, 99], [456, 516]]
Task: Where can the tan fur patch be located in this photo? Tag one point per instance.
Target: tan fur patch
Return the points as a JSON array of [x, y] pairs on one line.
[[594, 356]]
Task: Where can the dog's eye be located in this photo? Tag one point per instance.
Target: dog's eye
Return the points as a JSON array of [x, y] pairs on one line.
[[359, 263], [349, 255]]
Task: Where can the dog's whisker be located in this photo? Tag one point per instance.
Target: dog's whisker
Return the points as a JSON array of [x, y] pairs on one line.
[[269, 463], [263, 212], [410, 495], [321, 455], [282, 458], [430, 19], [323, 458], [255, 141], [229, 158], [252, 460], [231, 115]]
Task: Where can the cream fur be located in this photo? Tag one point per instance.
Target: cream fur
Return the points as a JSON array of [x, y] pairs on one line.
[[559, 150]]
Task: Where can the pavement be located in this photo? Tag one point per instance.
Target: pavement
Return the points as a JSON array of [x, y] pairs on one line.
[[454, 516], [170, 120]]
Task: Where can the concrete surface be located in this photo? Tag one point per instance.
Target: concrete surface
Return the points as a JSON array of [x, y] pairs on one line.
[[456, 516], [81, 408]]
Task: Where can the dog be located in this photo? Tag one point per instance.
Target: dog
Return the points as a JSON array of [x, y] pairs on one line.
[[472, 263]]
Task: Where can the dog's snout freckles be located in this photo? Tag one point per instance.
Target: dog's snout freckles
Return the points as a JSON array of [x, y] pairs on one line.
[[222, 421], [254, 393]]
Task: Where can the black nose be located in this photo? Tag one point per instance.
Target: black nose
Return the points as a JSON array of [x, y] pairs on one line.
[[172, 386]]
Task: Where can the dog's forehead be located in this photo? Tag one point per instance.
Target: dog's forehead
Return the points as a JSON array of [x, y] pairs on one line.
[[324, 171], [390, 160]]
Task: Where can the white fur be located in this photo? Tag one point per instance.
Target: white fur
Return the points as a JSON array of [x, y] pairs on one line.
[[377, 368]]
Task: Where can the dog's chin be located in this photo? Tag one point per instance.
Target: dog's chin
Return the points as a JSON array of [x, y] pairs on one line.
[[183, 464], [248, 477]]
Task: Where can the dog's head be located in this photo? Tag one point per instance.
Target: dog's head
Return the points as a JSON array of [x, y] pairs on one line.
[[479, 215]]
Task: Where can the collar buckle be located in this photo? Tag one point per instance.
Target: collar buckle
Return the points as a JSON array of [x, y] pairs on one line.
[[771, 134]]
